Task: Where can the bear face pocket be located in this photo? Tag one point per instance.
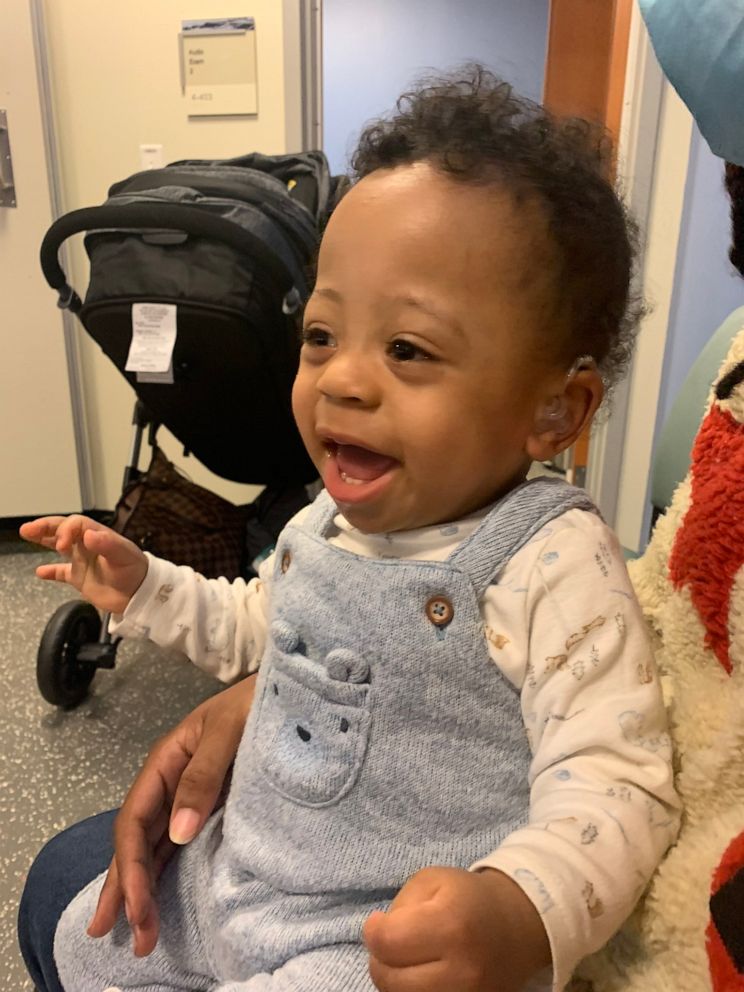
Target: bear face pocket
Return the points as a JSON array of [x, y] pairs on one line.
[[313, 724]]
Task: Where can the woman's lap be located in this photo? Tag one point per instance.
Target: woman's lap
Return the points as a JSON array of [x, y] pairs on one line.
[[74, 858], [61, 870]]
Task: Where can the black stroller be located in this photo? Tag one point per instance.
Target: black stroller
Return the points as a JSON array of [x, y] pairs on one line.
[[229, 247]]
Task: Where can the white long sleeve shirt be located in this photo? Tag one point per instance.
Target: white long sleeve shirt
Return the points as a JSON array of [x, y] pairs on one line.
[[564, 627]]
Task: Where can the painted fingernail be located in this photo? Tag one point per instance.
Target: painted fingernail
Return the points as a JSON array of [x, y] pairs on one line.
[[183, 826]]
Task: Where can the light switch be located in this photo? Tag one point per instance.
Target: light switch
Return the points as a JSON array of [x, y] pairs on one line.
[[151, 156]]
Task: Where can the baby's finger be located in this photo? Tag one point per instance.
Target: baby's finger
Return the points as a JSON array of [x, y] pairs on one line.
[[55, 572], [42, 531], [71, 531], [403, 938], [117, 550], [420, 978]]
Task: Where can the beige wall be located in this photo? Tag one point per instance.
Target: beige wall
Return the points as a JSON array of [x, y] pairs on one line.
[[116, 85], [39, 469]]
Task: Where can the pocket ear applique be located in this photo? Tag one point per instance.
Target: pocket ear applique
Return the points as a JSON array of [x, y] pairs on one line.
[[313, 725]]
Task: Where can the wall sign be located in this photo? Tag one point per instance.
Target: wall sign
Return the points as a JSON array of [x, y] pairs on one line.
[[218, 66]]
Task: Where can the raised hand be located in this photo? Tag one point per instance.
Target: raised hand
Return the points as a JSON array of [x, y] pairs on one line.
[[452, 929], [105, 568]]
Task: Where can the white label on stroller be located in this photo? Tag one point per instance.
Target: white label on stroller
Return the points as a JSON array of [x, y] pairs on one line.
[[165, 378], [153, 337]]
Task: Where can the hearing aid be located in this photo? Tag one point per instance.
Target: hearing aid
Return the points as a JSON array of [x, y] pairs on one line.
[[553, 416]]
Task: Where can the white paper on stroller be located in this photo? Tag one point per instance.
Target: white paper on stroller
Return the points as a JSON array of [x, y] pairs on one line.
[[153, 337], [164, 378]]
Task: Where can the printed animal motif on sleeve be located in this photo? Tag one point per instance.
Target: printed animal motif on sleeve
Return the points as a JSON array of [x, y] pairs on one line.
[[632, 725], [578, 667], [499, 641], [579, 636], [604, 560], [589, 834], [164, 593], [593, 902]]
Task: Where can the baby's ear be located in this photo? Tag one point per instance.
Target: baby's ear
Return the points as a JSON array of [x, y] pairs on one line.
[[562, 417]]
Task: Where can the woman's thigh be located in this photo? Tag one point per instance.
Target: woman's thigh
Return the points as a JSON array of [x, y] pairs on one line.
[[62, 869]]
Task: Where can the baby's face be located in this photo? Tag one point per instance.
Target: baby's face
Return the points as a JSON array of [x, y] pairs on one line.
[[420, 371]]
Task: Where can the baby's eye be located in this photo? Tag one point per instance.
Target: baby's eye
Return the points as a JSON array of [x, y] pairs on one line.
[[315, 337], [404, 351]]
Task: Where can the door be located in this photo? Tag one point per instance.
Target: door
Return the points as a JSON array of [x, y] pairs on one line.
[[37, 436]]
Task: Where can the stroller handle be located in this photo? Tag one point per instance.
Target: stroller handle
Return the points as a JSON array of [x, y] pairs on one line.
[[165, 216]]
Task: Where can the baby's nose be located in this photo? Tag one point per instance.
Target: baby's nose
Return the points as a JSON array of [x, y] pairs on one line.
[[348, 378]]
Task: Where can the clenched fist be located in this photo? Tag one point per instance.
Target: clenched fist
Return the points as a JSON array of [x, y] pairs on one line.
[[450, 930]]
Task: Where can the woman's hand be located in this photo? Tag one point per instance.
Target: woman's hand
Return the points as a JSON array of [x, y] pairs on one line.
[[171, 798], [106, 568]]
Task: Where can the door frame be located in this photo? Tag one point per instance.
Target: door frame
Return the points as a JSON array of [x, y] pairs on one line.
[[600, 64], [653, 157], [311, 61], [54, 180]]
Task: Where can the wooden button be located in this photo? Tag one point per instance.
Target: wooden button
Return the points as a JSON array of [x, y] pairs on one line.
[[286, 561], [440, 611]]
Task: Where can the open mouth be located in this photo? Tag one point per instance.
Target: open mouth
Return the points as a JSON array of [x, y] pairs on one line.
[[357, 465], [353, 473]]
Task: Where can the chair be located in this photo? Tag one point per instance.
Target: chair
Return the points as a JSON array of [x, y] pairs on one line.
[[672, 456]]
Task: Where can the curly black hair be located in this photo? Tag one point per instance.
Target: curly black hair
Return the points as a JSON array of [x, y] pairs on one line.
[[471, 125]]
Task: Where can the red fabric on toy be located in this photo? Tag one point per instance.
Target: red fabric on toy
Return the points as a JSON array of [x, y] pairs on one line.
[[723, 973], [707, 551]]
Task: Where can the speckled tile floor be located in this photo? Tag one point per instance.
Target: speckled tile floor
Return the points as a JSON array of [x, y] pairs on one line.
[[57, 767]]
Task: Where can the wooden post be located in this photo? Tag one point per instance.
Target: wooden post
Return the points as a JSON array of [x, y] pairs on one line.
[[585, 77]]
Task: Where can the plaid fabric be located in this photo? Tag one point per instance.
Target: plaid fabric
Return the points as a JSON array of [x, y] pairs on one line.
[[171, 517]]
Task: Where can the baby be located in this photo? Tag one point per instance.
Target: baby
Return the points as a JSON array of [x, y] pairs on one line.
[[456, 773]]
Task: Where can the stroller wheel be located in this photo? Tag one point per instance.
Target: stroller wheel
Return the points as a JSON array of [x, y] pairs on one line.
[[63, 679]]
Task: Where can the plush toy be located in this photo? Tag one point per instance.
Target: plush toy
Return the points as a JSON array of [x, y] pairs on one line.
[[687, 935]]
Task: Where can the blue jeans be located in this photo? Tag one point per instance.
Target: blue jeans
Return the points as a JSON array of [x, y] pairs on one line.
[[62, 869]]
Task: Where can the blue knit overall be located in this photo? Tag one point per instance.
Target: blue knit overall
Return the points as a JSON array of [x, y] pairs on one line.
[[382, 740]]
